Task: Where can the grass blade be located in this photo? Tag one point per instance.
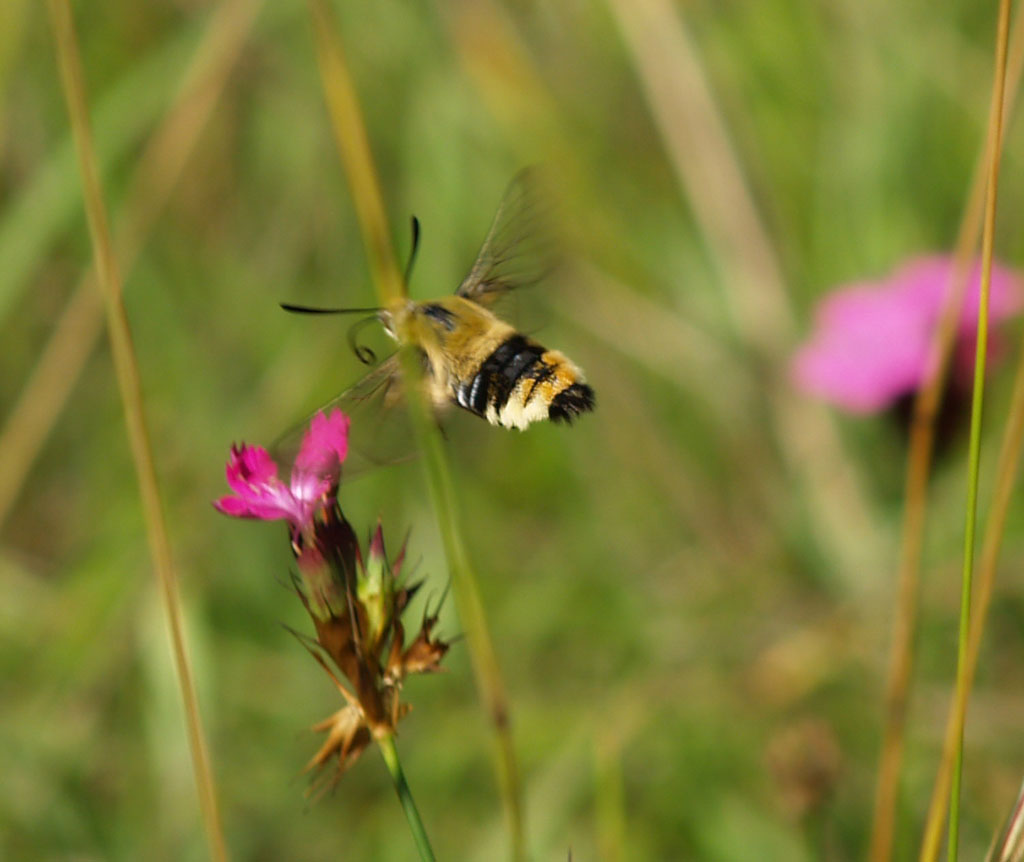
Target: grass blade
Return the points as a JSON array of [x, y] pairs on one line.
[[32, 418], [39, 211], [1006, 470], [1006, 478], [697, 142], [919, 459], [73, 82], [353, 144], [1008, 843], [974, 456]]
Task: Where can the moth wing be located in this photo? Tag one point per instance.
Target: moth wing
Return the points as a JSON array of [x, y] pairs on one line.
[[518, 250], [380, 433]]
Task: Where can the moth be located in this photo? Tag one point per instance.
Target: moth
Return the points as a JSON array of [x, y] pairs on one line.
[[472, 358]]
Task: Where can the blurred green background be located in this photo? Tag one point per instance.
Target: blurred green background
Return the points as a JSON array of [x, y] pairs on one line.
[[690, 591]]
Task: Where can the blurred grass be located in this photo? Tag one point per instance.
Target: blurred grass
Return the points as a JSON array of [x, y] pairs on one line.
[[657, 560], [109, 281]]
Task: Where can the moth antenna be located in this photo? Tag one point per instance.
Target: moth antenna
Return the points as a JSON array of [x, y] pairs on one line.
[[309, 309], [363, 353], [412, 251]]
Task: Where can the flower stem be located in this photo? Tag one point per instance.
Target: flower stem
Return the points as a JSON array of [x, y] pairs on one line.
[[357, 158], [489, 681], [390, 754], [974, 456]]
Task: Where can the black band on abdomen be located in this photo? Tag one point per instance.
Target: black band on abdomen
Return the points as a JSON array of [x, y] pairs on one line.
[[497, 377]]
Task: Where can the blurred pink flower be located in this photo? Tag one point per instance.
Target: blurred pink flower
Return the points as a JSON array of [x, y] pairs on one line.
[[260, 493], [872, 340]]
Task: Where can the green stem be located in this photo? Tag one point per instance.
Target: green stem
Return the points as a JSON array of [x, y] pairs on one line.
[[974, 456], [469, 603], [353, 144], [419, 834]]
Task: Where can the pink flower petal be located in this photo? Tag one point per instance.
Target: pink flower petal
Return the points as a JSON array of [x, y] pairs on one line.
[[233, 506], [307, 488], [925, 281], [249, 466], [260, 493], [325, 444], [872, 341]]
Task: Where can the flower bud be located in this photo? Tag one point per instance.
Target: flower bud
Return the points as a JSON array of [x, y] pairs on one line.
[[375, 590]]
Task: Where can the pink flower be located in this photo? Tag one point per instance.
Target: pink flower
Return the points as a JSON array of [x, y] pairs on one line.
[[260, 493], [872, 340]]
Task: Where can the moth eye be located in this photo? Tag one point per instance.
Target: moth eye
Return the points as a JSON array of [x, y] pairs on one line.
[[440, 314]]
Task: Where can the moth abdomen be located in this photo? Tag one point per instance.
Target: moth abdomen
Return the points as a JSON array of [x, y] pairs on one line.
[[571, 402], [522, 382]]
